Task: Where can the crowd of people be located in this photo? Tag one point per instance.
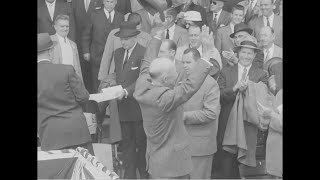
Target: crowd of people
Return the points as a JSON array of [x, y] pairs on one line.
[[201, 82]]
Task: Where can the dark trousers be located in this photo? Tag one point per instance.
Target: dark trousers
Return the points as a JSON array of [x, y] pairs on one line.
[[85, 145], [86, 74], [94, 78], [225, 165], [133, 149]]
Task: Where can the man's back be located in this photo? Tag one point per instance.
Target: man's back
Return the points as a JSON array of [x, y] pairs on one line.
[[61, 121], [168, 144]]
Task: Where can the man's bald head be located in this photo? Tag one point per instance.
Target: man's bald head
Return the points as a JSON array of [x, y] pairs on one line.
[[163, 71], [167, 49], [267, 37]]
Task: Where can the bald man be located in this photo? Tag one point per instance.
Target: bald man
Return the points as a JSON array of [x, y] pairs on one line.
[[168, 143]]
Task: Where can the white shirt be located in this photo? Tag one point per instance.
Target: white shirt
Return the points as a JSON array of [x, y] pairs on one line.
[[268, 52], [218, 15], [151, 18], [232, 27], [129, 52], [253, 3], [51, 7], [107, 14], [86, 6], [241, 69], [171, 32], [270, 20], [66, 50]]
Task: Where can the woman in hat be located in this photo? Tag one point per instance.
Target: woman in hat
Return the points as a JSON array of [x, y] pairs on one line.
[[231, 80], [272, 118]]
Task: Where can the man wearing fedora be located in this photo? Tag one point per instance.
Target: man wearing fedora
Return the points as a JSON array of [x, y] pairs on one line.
[[95, 35], [61, 122], [231, 80], [241, 32], [127, 67], [223, 42]]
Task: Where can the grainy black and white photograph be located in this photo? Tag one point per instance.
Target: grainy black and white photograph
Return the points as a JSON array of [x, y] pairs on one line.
[[159, 89]]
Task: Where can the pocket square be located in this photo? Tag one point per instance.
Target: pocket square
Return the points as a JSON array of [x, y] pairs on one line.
[[134, 68], [221, 25], [98, 7]]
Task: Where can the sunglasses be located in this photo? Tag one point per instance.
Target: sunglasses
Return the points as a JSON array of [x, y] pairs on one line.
[[213, 2]]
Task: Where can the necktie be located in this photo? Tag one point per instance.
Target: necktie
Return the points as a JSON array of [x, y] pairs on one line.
[[215, 19], [108, 16], [167, 35], [267, 55], [244, 73], [268, 23], [125, 59], [87, 2]]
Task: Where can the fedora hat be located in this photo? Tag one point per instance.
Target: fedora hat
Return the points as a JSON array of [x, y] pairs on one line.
[[45, 42], [127, 29], [241, 27], [249, 42], [271, 62]]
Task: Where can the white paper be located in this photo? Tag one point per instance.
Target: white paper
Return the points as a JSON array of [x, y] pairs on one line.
[[107, 94]]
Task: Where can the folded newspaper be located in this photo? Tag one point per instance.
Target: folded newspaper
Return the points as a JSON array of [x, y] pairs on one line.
[[107, 94]]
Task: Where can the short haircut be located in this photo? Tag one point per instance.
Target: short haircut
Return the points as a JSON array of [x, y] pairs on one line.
[[61, 17], [172, 12], [171, 44], [135, 18], [195, 53], [237, 7]]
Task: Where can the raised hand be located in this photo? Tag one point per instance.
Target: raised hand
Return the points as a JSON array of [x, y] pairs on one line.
[[207, 41]]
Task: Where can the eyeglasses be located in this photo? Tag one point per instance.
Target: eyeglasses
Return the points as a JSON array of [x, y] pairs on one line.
[[213, 2]]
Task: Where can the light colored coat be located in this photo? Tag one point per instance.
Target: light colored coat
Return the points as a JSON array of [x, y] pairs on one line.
[[257, 23], [274, 141], [201, 113], [57, 56], [168, 151]]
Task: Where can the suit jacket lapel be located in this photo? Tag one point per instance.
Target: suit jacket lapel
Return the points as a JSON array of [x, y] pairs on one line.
[[221, 17], [176, 34], [251, 73], [56, 10], [45, 11]]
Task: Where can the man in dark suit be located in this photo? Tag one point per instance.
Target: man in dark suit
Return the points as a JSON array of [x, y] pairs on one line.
[[95, 35], [188, 5], [217, 17], [47, 13], [127, 67], [222, 41], [61, 122], [82, 10], [231, 80]]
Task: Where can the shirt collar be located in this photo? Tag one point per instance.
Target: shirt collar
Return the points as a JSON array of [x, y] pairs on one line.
[[270, 17], [218, 14], [109, 13], [172, 27], [61, 38], [242, 67], [51, 4], [131, 49], [200, 49]]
